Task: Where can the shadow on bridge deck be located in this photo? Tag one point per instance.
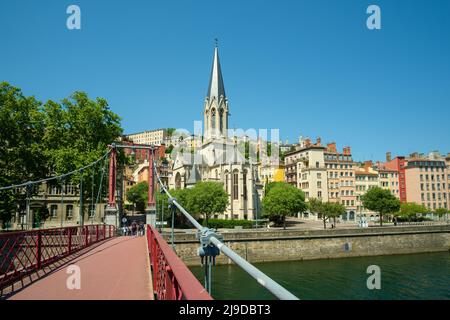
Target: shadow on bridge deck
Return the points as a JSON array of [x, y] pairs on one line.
[[116, 269]]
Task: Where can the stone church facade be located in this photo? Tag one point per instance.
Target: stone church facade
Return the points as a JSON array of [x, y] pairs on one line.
[[219, 158]]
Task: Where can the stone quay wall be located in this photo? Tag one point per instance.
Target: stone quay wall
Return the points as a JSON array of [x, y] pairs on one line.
[[284, 245]]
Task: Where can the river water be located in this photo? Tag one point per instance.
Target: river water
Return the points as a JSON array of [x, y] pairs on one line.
[[413, 276]]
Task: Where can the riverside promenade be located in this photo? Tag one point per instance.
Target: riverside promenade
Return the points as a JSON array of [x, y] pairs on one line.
[[115, 269]]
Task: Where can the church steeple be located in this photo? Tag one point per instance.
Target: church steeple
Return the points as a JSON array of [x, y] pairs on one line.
[[216, 103], [216, 88]]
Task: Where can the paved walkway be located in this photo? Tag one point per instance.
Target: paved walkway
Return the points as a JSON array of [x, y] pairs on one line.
[[117, 269]]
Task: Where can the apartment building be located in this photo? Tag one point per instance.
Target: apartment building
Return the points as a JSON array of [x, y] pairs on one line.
[[424, 179], [305, 169], [388, 178], [427, 181], [151, 137], [270, 172], [366, 178], [63, 205], [341, 178]]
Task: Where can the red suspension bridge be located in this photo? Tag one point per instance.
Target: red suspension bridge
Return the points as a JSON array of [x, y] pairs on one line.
[[96, 262]]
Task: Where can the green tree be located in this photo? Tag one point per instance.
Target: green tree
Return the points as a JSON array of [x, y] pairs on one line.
[[181, 195], [381, 201], [326, 210], [206, 199], [283, 200], [271, 185], [170, 132], [78, 132], [21, 154], [138, 196], [440, 212], [410, 210], [334, 210], [44, 140], [317, 206], [42, 214], [7, 207]]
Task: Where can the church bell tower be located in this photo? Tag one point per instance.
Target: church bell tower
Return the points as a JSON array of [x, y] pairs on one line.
[[216, 103]]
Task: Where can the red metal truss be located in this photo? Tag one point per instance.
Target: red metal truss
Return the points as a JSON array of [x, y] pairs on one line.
[[172, 280], [27, 251]]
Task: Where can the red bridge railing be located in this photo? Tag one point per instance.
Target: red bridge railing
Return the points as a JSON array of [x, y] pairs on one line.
[[172, 280], [28, 251]]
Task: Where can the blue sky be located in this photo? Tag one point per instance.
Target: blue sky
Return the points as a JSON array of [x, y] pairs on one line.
[[305, 67]]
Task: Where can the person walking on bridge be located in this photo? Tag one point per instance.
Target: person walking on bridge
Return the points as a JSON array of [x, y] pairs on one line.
[[141, 228], [134, 228]]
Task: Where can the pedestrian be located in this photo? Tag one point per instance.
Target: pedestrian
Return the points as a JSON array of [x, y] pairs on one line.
[[141, 229], [134, 228]]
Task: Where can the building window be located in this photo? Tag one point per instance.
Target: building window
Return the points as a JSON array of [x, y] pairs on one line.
[[213, 118], [69, 211], [54, 210], [235, 184], [226, 181], [178, 181], [244, 184]]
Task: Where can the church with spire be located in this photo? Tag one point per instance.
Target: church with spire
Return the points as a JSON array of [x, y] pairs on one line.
[[218, 158]]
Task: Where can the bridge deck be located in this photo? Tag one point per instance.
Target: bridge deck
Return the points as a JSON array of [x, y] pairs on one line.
[[117, 269]]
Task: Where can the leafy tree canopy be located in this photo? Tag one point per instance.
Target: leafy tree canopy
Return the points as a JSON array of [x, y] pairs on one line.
[[41, 140], [207, 198], [283, 200], [381, 201]]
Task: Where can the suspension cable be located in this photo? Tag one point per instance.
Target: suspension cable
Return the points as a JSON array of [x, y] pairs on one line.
[[24, 184], [99, 190], [262, 278]]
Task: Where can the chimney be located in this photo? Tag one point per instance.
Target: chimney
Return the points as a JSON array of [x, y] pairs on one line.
[[347, 150], [318, 141], [307, 142], [331, 147], [388, 156], [368, 164], [162, 150]]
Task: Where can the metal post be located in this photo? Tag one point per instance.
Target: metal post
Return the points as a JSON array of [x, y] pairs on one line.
[[162, 216], [112, 179], [173, 207], [62, 201], [207, 276], [28, 214], [69, 240], [86, 243], [81, 199], [92, 196], [151, 195], [38, 249]]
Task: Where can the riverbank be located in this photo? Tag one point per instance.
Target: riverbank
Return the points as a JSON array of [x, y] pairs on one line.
[[286, 245]]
